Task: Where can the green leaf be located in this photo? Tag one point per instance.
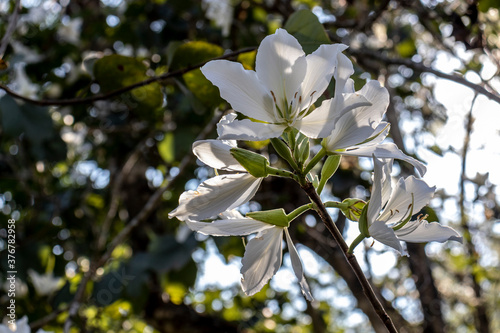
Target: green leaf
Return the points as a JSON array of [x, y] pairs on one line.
[[485, 5], [305, 26], [117, 71], [406, 48], [166, 148], [275, 216]]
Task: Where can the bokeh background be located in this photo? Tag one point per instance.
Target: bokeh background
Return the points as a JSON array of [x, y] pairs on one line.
[[90, 176]]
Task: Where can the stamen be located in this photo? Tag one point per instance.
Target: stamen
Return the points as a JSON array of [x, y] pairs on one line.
[[295, 96], [274, 97], [312, 93]]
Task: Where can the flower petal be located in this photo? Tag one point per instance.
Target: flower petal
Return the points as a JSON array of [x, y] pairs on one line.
[[320, 122], [216, 195], [385, 150], [262, 259], [281, 65], [381, 188], [229, 227], [321, 65], [298, 268], [241, 88], [385, 235], [249, 130], [420, 231], [401, 198], [216, 154]]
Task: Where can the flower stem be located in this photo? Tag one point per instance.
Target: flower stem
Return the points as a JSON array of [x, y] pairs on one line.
[[355, 242], [281, 173], [315, 160], [299, 211], [351, 259]]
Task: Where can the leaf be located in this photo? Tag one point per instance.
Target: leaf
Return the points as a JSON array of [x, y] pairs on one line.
[[116, 71], [305, 26], [406, 48], [166, 148]]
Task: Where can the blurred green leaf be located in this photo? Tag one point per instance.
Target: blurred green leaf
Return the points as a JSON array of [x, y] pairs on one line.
[[406, 48], [305, 26], [166, 148]]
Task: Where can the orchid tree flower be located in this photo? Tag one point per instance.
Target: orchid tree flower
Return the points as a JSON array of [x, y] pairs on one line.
[[281, 90], [222, 192], [388, 213], [360, 131], [263, 253]]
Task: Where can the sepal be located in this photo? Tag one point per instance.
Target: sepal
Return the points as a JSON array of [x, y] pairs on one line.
[[276, 217], [353, 208], [254, 163], [363, 221]]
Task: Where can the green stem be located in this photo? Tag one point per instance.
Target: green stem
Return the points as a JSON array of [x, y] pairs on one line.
[[336, 204], [355, 243], [299, 211], [281, 173], [315, 160]]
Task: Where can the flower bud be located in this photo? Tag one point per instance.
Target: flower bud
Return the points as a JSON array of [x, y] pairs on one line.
[[275, 216], [254, 163], [282, 149], [353, 209], [363, 221]]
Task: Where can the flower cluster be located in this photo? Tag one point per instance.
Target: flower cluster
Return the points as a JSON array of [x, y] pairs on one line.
[[277, 102]]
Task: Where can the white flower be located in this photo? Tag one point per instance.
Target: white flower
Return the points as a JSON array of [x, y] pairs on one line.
[[263, 253], [219, 193], [360, 131], [279, 92], [389, 207], [221, 12], [20, 326], [45, 284]]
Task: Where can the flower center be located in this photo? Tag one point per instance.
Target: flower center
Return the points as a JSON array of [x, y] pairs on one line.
[[290, 112]]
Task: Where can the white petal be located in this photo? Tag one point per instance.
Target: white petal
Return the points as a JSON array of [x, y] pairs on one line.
[[356, 126], [298, 268], [342, 74], [320, 122], [320, 67], [381, 232], [422, 231], [385, 150], [249, 130], [262, 260], [241, 88], [216, 195], [401, 199], [217, 155], [229, 227], [376, 200], [281, 64]]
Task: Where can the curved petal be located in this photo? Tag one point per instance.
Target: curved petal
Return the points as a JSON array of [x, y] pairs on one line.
[[249, 130], [241, 88], [342, 73], [320, 67], [385, 235], [298, 268], [262, 260], [281, 65], [216, 195], [420, 231], [358, 125], [229, 227], [380, 190], [385, 150], [216, 154], [321, 122], [398, 205]]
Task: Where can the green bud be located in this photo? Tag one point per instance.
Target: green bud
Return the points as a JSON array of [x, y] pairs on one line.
[[363, 221], [282, 149], [301, 153], [275, 216], [254, 163], [353, 208], [329, 168]]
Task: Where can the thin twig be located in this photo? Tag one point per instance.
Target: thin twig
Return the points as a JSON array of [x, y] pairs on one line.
[[420, 68], [481, 317], [142, 216], [351, 259], [91, 99], [11, 28]]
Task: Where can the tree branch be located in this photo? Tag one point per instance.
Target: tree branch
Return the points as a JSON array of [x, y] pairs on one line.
[[351, 259], [91, 99], [11, 28]]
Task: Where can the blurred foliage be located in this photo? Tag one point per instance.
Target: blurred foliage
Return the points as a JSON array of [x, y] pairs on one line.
[[74, 175]]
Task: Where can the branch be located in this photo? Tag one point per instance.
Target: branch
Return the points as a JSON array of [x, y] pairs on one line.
[[87, 100], [351, 259], [11, 28], [481, 317], [420, 68]]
